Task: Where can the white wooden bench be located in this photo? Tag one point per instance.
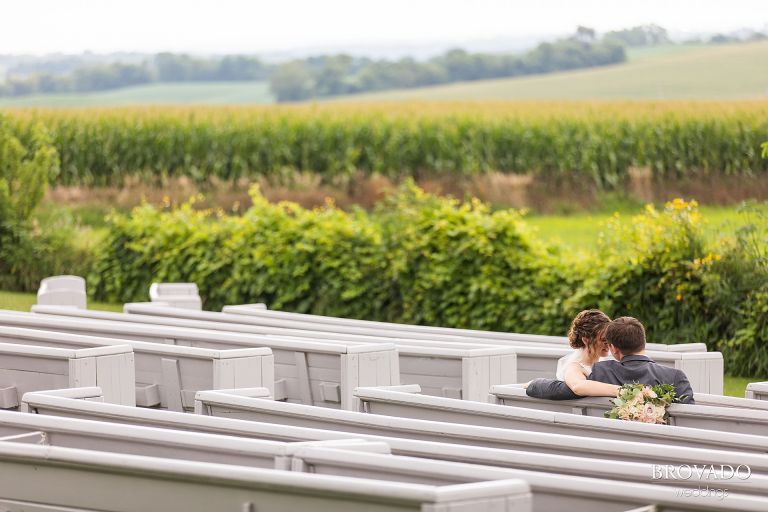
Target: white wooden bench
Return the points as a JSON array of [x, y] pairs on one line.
[[390, 411], [354, 326], [757, 391], [168, 376], [713, 412], [450, 369], [563, 454], [34, 477], [549, 491], [178, 295], [396, 403], [307, 456], [317, 373], [704, 369], [26, 368], [166, 443], [514, 395], [62, 291]]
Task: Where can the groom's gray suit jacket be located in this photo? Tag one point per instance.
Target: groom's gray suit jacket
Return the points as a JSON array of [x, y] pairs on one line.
[[629, 370]]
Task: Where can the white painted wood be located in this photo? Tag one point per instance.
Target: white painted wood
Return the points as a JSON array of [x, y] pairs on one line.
[[427, 359], [533, 359], [405, 330], [26, 368], [180, 295], [514, 394], [9, 397], [563, 454], [723, 419], [330, 461], [368, 462], [455, 420], [325, 353], [62, 291], [88, 479], [757, 391], [198, 367], [172, 384]]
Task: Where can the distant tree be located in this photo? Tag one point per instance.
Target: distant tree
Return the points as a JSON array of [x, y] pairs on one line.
[[585, 34], [642, 35], [722, 39], [292, 81]]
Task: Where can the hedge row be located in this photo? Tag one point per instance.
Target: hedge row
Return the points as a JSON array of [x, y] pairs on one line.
[[427, 260], [597, 142]]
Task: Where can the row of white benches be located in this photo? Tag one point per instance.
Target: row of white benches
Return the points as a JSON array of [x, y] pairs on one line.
[[536, 355], [540, 460], [451, 369], [161, 381], [557, 482]]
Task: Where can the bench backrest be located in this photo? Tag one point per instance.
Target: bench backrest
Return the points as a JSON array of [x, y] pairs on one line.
[[25, 368], [87, 479], [565, 454], [704, 369], [450, 369], [550, 491], [180, 295], [391, 413], [166, 443], [318, 373], [725, 420], [168, 376], [62, 291], [757, 391], [714, 412], [404, 330]]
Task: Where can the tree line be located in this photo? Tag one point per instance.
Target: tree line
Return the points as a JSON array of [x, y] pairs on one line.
[[331, 75]]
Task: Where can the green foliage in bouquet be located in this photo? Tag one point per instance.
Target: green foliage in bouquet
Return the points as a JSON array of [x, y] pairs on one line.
[[646, 404]]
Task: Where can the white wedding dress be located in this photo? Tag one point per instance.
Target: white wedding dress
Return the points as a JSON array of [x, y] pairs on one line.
[[573, 357]]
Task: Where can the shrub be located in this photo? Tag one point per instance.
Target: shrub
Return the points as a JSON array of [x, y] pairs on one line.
[[422, 259], [28, 252]]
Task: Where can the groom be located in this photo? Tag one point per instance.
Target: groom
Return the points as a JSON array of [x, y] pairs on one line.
[[625, 337]]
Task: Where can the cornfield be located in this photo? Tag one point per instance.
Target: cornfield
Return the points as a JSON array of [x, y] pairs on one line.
[[594, 141]]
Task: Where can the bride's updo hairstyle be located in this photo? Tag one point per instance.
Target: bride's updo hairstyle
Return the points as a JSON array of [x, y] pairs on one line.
[[586, 328]]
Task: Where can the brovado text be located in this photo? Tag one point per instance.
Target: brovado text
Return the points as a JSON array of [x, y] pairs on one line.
[[700, 472]]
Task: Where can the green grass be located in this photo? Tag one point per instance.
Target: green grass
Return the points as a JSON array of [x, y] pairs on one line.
[[24, 301], [215, 93], [689, 72], [576, 231], [734, 386]]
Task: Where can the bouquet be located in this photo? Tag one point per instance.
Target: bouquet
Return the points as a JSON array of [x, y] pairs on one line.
[[647, 404]]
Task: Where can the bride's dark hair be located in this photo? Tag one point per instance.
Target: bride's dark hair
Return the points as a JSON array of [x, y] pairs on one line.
[[587, 326]]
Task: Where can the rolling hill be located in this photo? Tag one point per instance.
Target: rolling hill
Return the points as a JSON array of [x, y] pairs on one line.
[[701, 72], [731, 71]]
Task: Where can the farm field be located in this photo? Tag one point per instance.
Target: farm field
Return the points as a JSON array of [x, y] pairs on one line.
[[734, 386], [688, 72], [214, 93], [662, 72]]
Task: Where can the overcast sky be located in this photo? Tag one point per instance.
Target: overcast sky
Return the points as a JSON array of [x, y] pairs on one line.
[[73, 26]]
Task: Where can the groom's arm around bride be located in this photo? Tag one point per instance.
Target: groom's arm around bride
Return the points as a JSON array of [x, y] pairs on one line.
[[625, 337]]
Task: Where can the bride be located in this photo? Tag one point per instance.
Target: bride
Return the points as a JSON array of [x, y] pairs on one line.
[[585, 337]]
